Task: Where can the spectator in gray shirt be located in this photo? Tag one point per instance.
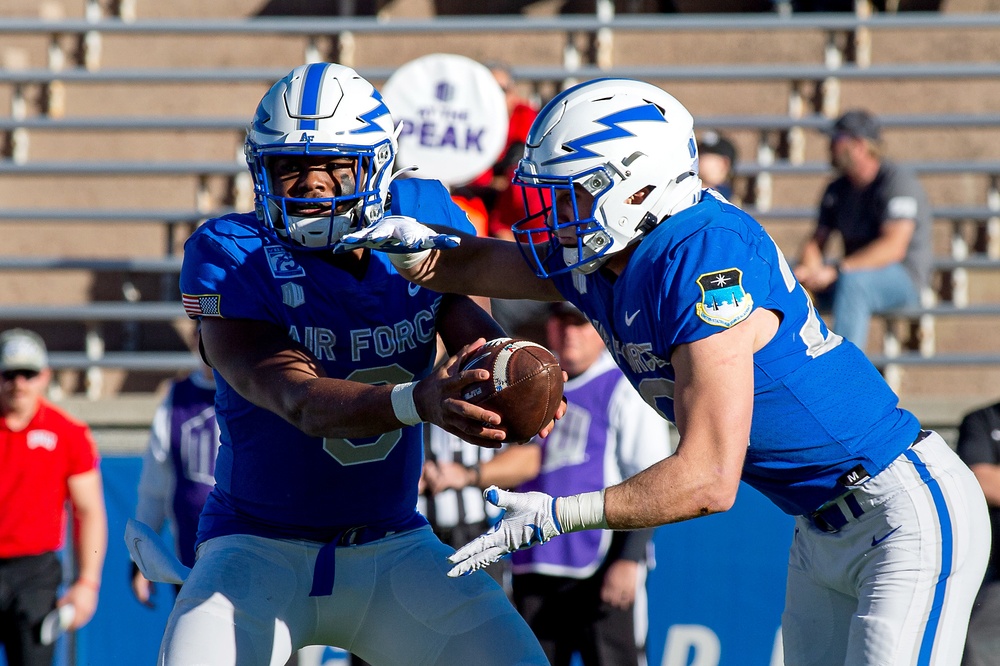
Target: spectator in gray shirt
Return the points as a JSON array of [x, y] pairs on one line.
[[884, 220]]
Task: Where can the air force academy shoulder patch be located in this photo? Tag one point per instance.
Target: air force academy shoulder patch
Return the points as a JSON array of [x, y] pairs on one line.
[[723, 301], [282, 263]]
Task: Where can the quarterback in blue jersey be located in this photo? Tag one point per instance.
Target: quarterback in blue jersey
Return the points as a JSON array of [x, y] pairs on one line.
[[705, 318], [325, 366]]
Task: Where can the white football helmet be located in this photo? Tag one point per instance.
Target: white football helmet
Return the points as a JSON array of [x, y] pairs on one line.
[[613, 137], [316, 110]]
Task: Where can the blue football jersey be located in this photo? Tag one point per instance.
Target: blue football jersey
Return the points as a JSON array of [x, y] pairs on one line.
[[271, 478], [820, 407]]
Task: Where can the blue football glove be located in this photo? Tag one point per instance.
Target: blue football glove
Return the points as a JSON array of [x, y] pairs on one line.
[[396, 234], [528, 519]]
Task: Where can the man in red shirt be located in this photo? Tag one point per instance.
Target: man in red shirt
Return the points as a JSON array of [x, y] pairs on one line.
[[46, 457]]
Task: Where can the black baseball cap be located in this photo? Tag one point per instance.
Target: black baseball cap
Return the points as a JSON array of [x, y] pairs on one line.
[[714, 143], [859, 124]]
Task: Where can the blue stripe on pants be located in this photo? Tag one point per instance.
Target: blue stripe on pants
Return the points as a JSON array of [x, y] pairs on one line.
[[927, 643]]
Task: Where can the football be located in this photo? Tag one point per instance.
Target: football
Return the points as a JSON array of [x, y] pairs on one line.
[[525, 385]]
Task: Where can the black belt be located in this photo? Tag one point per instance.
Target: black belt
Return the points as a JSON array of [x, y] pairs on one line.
[[831, 517]]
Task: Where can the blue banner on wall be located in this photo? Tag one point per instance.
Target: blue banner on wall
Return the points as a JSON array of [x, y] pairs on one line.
[[123, 631], [718, 589]]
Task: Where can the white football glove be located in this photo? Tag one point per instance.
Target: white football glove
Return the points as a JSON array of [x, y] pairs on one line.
[[396, 234], [528, 519]]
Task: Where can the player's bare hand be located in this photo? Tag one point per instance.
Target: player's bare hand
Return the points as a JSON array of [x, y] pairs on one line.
[[439, 401]]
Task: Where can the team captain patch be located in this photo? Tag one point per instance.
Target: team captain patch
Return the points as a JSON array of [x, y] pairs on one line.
[[723, 301]]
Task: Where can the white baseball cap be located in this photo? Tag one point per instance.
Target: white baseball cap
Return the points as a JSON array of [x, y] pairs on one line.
[[21, 349]]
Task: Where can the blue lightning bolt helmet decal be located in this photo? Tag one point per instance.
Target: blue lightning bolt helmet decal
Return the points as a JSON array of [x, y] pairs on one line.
[[322, 110], [579, 146], [260, 121], [369, 117]]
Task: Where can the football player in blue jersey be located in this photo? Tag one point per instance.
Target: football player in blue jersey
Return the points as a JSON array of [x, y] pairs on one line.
[[325, 364], [705, 317]]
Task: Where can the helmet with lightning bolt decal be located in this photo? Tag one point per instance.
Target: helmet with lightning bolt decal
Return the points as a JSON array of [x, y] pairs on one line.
[[321, 109], [627, 143]]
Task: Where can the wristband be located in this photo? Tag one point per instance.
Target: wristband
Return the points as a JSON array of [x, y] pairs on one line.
[[408, 260], [581, 512], [477, 473], [86, 582], [403, 405]]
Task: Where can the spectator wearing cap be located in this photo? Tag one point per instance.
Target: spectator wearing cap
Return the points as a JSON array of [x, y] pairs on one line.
[[46, 458], [716, 158], [883, 217]]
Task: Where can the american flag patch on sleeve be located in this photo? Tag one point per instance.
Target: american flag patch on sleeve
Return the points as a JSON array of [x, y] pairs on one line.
[[202, 305]]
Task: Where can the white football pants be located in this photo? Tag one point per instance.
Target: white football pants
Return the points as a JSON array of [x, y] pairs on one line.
[[247, 603], [895, 586]]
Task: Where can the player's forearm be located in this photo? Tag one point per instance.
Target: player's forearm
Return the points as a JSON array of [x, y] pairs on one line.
[[702, 477], [482, 267], [156, 485], [671, 491], [341, 409], [461, 321]]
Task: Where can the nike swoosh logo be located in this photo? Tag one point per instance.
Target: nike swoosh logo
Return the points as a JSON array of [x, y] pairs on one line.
[[412, 289], [629, 318], [135, 544], [876, 542]]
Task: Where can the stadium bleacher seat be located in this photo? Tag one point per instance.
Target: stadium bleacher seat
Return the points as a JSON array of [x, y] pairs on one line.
[[138, 119]]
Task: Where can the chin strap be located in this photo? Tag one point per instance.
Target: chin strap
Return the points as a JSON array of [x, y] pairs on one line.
[[333, 227], [371, 219]]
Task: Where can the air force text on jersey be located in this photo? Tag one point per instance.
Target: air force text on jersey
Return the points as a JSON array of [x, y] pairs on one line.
[[383, 341]]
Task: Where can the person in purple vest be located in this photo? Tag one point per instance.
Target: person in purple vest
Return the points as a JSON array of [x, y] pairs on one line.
[[178, 467], [585, 593]]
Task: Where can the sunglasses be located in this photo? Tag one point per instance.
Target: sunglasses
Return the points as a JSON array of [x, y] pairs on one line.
[[11, 375]]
